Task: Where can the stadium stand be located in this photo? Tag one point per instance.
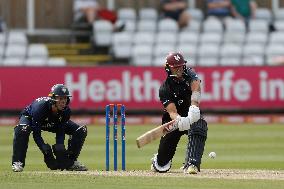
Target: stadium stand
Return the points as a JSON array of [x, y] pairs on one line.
[[207, 42], [144, 30], [15, 50]]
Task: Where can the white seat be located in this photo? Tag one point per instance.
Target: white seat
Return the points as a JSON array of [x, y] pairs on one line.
[[206, 38], [208, 50], [15, 37], [37, 50], [188, 37], [189, 52], [208, 54], [2, 50], [158, 61], [231, 50], [208, 61], [144, 38], [258, 26], [193, 25], [168, 25], [276, 37], [126, 14], [142, 55], [192, 62], [147, 26], [148, 14], [234, 37], [13, 61], [257, 37], [253, 55], [130, 25], [196, 14], [279, 25], [14, 50], [102, 32], [253, 49], [235, 25], [161, 50], [56, 61], [121, 45], [263, 14], [2, 38], [230, 61], [273, 51], [279, 14], [230, 54], [35, 61], [160, 53], [166, 38], [253, 60], [212, 24]]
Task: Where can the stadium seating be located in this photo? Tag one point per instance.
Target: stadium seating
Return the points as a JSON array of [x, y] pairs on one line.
[[37, 50], [147, 38], [253, 54], [35, 61], [147, 26], [15, 50], [263, 14], [142, 55], [160, 52], [121, 45], [12, 61], [103, 31], [212, 25], [188, 37], [127, 14], [208, 42], [56, 61], [150, 14]]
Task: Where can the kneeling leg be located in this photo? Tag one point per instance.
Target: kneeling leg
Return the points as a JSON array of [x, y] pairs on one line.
[[20, 143]]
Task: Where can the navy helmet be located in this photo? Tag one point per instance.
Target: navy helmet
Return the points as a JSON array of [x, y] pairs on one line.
[[59, 90]]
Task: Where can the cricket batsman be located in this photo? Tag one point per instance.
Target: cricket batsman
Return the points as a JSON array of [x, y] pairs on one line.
[[180, 95], [50, 114]]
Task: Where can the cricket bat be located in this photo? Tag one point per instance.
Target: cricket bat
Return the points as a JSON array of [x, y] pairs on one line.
[[154, 134]]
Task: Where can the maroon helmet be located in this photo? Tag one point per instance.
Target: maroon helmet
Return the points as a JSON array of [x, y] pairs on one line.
[[174, 60]]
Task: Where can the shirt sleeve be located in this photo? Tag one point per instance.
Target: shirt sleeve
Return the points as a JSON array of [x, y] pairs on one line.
[[37, 134], [38, 115], [191, 75]]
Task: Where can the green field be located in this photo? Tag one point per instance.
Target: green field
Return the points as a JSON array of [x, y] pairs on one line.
[[244, 147]]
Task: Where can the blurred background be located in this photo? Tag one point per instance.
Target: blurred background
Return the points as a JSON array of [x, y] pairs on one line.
[[113, 51]]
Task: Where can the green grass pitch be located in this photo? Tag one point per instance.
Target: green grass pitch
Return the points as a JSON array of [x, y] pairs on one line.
[[242, 146]]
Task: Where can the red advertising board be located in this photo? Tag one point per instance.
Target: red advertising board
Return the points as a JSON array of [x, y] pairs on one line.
[[137, 87]]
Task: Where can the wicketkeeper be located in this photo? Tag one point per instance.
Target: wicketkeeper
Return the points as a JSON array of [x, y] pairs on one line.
[[180, 96], [50, 114]]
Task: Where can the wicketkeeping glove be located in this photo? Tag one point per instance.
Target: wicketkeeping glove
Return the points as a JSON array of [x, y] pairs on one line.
[[62, 156], [49, 159]]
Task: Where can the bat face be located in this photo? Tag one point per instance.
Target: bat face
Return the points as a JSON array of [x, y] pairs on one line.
[[155, 133]]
